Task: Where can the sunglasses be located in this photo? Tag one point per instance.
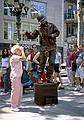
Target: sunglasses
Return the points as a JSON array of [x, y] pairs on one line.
[[34, 47]]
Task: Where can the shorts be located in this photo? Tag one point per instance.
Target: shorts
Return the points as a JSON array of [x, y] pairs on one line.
[[56, 68], [80, 72], [74, 66]]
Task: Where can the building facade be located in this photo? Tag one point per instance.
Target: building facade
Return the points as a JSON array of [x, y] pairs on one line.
[[70, 25], [73, 23], [52, 9]]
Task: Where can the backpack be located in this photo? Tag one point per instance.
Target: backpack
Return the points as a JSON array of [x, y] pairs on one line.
[[25, 77], [80, 59]]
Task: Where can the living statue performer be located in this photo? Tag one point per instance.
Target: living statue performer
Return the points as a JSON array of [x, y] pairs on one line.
[[47, 37]]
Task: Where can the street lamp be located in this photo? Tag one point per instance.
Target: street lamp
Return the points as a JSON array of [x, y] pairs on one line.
[[80, 14], [18, 10], [81, 21]]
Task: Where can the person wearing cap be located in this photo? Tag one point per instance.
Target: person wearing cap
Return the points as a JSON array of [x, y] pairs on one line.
[[47, 36], [34, 66], [15, 76]]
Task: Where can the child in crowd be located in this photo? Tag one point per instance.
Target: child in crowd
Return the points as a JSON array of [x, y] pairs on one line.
[[57, 66], [15, 76]]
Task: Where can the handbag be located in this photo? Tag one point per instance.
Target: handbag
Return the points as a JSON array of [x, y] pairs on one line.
[[4, 70], [25, 77], [82, 63]]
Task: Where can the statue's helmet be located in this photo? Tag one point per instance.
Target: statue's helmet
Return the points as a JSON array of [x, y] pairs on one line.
[[41, 18]]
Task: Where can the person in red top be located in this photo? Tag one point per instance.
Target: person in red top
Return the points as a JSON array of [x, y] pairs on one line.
[[34, 67], [74, 56], [43, 75]]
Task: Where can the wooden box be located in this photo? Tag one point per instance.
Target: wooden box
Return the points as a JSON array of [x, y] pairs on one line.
[[45, 93]]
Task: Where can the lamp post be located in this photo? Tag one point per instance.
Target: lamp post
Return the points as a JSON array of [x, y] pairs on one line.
[[82, 22], [80, 14], [18, 10]]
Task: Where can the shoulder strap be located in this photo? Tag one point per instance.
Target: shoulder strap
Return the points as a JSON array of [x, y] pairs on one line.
[[32, 55]]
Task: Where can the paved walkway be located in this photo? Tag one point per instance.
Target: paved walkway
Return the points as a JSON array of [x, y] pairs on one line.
[[70, 107]]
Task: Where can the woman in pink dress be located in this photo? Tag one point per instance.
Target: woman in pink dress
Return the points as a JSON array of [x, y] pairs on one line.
[[15, 76]]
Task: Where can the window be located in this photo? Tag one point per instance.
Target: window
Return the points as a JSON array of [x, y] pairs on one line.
[[71, 29], [14, 32], [8, 1], [27, 1], [6, 7], [38, 8], [10, 31], [69, 12], [32, 28], [7, 11], [5, 30], [25, 27]]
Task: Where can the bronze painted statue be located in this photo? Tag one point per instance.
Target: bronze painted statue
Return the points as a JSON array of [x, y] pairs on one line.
[[47, 37]]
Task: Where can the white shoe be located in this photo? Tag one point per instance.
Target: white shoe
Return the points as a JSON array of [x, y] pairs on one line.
[[82, 90], [2, 93], [61, 87], [15, 109], [77, 88]]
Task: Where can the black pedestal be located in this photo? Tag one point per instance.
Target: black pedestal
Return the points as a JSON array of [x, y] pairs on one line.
[[46, 93]]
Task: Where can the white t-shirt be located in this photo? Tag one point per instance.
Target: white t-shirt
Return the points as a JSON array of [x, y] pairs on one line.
[[29, 57], [58, 58], [5, 62]]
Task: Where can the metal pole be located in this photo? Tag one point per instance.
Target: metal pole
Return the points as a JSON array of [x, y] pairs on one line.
[[63, 56], [18, 26], [78, 16]]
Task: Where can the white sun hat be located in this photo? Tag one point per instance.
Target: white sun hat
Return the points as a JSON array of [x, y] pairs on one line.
[[14, 48]]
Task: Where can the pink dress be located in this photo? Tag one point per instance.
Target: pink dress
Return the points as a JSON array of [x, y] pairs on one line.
[[15, 76]]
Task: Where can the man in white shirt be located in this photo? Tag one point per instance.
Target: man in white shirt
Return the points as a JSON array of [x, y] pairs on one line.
[[57, 66]]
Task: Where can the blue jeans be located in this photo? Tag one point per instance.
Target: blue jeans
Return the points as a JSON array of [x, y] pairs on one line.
[[6, 79]]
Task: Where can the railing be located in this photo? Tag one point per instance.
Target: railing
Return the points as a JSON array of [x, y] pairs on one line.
[[68, 16], [71, 1]]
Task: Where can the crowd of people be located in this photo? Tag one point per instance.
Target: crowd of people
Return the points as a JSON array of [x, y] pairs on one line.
[[20, 59], [75, 67]]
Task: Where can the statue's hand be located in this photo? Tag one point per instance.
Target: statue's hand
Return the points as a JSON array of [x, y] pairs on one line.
[[27, 34], [52, 36], [46, 53]]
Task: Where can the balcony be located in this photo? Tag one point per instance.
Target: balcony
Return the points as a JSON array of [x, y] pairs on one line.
[[69, 17], [71, 1]]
